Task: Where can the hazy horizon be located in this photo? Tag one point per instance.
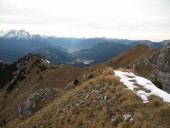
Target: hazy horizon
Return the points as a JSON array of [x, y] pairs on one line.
[[122, 19]]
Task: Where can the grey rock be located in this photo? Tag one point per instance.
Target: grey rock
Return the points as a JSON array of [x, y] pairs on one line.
[[35, 101], [105, 98], [81, 102], [162, 72], [131, 120], [113, 119], [126, 117], [86, 96]]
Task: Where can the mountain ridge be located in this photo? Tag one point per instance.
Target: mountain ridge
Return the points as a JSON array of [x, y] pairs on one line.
[[92, 94], [17, 43]]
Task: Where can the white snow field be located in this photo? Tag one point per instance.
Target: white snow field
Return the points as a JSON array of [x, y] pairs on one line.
[[132, 82]]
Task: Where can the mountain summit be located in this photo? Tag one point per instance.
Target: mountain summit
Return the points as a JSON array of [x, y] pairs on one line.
[[16, 34]]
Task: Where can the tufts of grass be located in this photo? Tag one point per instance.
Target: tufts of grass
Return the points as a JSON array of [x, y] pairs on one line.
[[97, 111]]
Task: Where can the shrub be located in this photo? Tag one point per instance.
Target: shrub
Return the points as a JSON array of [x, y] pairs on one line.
[[90, 76], [158, 84], [41, 77], [76, 81], [6, 74], [10, 88], [37, 72], [42, 67], [5, 96]]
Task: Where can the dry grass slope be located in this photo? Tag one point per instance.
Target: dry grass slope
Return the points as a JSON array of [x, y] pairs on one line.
[[37, 75], [133, 56], [99, 102]]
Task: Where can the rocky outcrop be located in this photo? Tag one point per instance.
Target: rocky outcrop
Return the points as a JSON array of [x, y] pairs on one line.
[[156, 66], [162, 72], [35, 101], [144, 61]]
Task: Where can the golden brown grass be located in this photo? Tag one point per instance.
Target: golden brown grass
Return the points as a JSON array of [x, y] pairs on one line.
[[139, 87], [96, 112], [133, 56], [126, 70]]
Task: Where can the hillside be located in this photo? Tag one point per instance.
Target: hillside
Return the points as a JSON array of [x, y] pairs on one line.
[[130, 57], [102, 101], [26, 76], [98, 53], [149, 63], [37, 93], [162, 72]]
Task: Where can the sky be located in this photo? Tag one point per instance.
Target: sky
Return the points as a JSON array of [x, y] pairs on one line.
[[124, 19]]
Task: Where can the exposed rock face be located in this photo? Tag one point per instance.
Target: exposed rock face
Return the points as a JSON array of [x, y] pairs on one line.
[[162, 71], [35, 101], [144, 67], [156, 66], [144, 61]]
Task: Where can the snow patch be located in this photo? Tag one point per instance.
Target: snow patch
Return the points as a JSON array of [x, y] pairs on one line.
[[45, 61], [130, 80], [88, 61]]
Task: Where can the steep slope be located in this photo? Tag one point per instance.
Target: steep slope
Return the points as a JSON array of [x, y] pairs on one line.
[[150, 63], [162, 72], [27, 75], [99, 102], [129, 58], [40, 94]]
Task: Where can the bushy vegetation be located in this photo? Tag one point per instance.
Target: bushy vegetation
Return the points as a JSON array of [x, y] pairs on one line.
[[90, 76], [20, 77], [6, 74], [42, 67], [158, 84], [76, 81]]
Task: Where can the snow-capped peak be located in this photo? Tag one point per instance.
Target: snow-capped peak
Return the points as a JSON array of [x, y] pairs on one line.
[[2, 33], [18, 34]]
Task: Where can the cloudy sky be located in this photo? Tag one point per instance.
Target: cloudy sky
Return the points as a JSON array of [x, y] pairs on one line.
[[130, 19]]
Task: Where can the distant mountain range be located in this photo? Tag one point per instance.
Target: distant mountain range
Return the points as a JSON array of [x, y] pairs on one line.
[[15, 44]]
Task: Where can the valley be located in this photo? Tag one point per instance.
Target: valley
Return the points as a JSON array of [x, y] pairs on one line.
[[81, 52]]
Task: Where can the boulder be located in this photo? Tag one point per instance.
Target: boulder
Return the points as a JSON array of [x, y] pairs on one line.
[[127, 117], [35, 101]]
